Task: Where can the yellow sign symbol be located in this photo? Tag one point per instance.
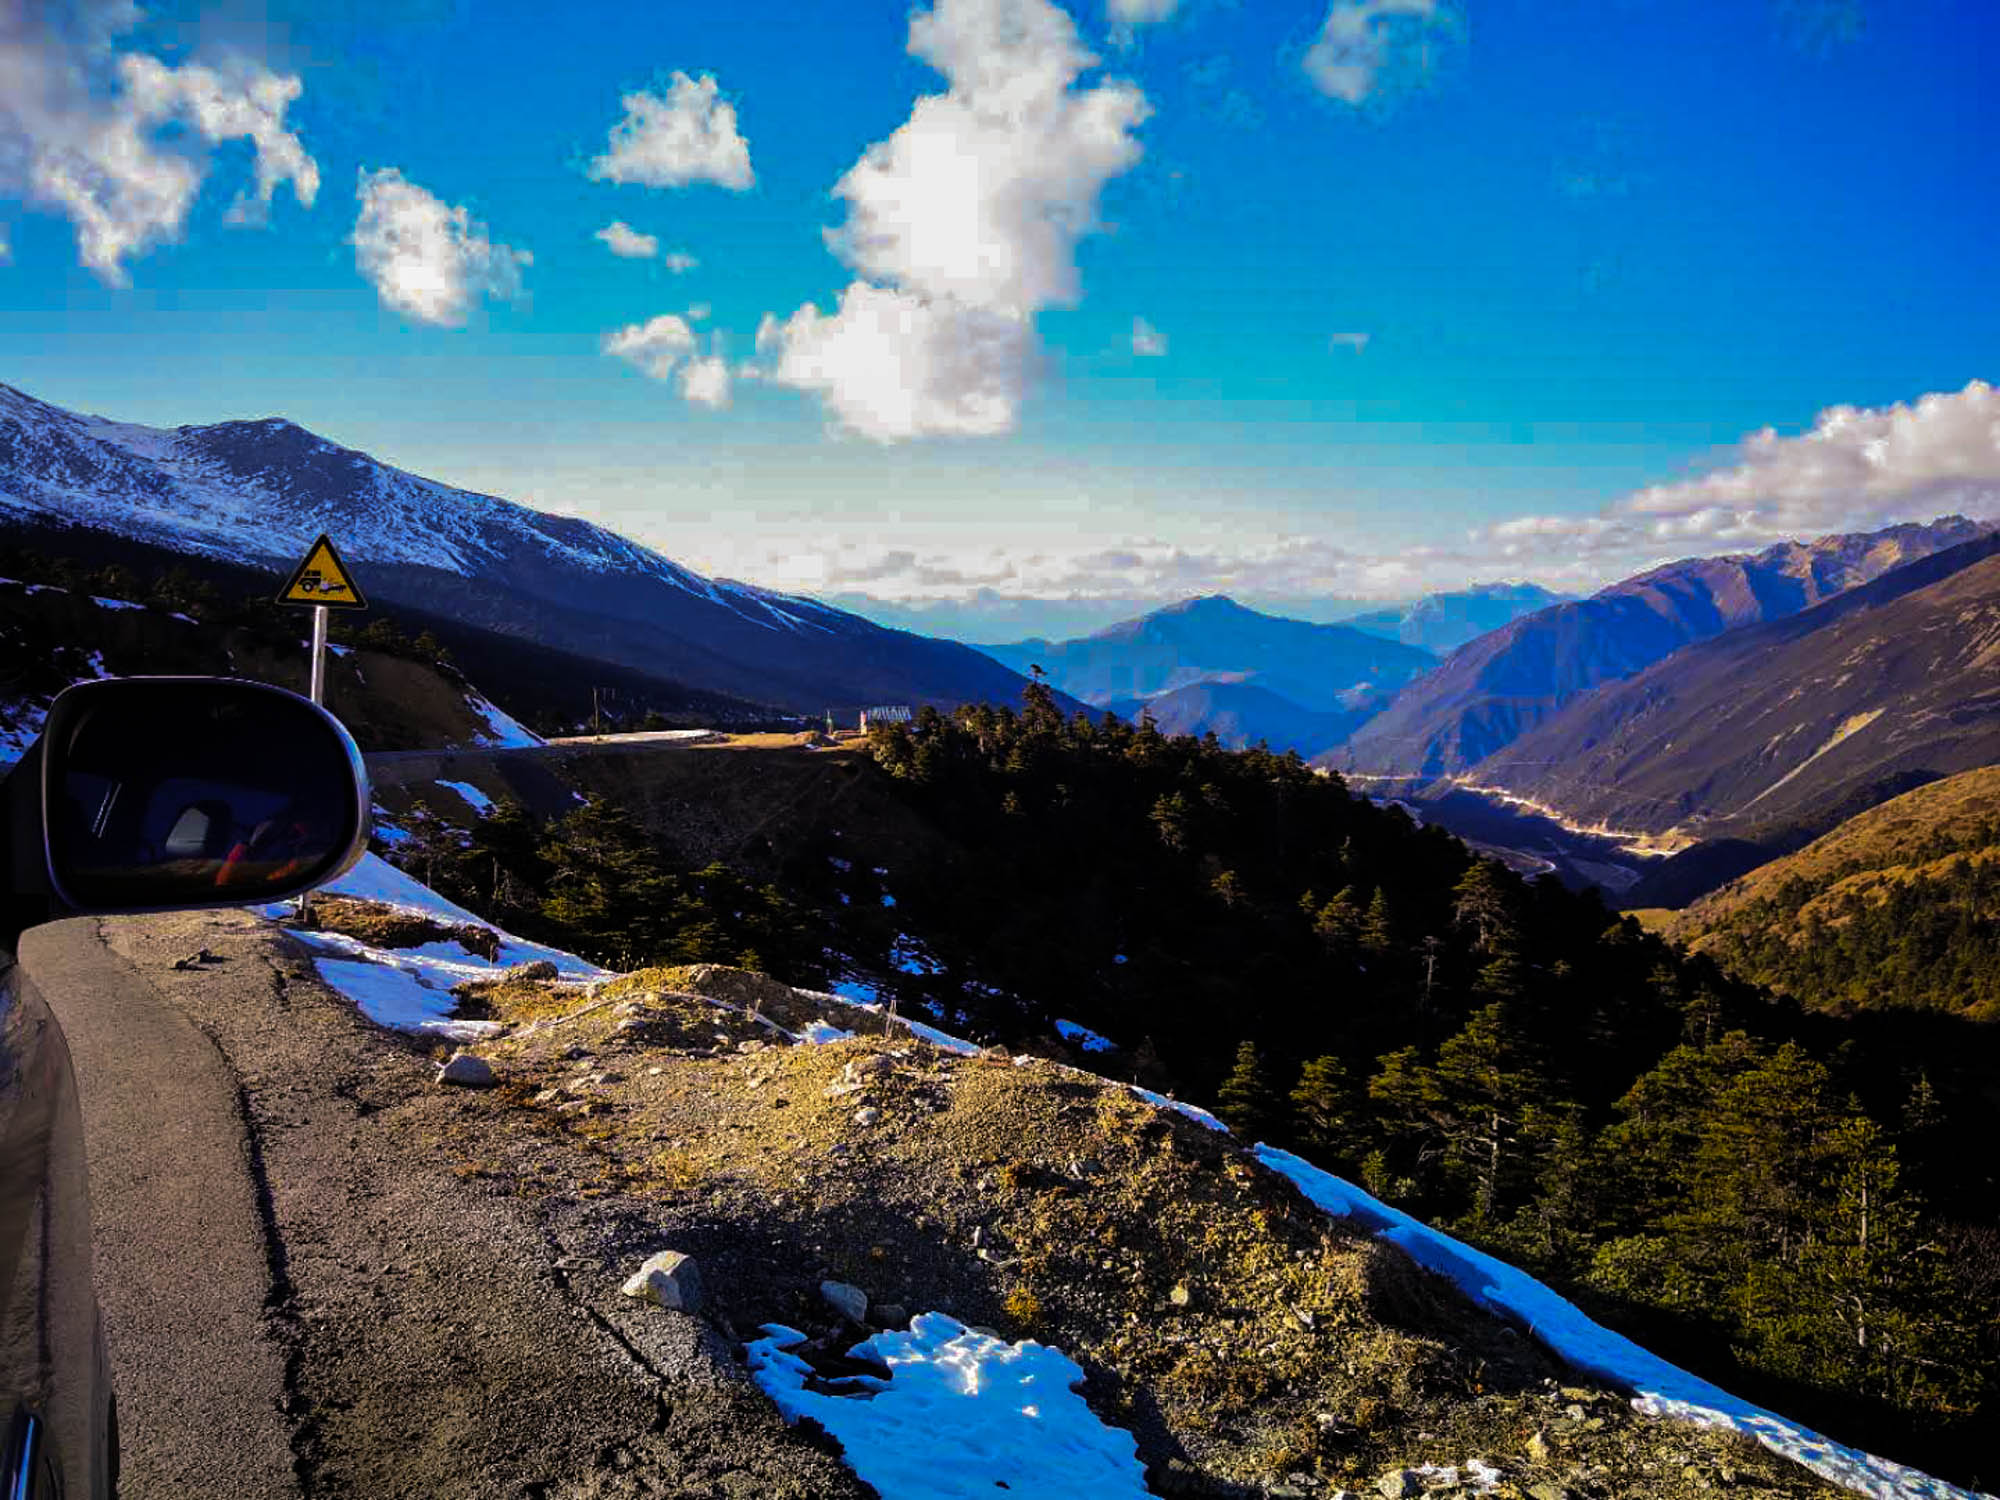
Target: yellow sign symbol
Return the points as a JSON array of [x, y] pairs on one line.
[[323, 579]]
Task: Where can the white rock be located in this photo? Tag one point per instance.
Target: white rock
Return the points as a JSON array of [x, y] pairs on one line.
[[849, 1301], [867, 1115], [668, 1279], [467, 1070]]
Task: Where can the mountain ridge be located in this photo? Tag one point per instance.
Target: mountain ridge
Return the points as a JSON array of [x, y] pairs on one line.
[[264, 488], [1322, 679], [1490, 692], [1889, 682]]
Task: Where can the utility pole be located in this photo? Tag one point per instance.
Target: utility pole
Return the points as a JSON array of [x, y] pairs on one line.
[[596, 717]]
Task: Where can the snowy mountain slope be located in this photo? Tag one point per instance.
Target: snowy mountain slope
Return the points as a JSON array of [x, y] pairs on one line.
[[264, 489]]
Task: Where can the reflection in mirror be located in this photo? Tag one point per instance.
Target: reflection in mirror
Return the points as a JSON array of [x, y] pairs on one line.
[[166, 792]]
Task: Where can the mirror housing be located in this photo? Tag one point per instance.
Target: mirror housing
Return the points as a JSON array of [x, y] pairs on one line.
[[177, 793]]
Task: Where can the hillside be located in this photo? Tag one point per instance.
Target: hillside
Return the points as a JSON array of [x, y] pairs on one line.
[[1792, 723], [1334, 977], [1211, 664], [51, 637], [1486, 695], [1319, 667], [1240, 714], [1893, 908], [161, 611], [1443, 622], [239, 491], [859, 1197]]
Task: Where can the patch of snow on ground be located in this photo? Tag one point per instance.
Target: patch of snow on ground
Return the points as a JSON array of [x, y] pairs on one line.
[[940, 1039], [503, 731], [114, 603], [1664, 1390], [864, 996], [962, 1415], [410, 988], [823, 1031], [1084, 1037], [1193, 1111], [477, 800], [397, 997], [909, 956]]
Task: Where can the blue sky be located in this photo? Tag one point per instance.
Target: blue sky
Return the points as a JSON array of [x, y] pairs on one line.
[[1439, 292]]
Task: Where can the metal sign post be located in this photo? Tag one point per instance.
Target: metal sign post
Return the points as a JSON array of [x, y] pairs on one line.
[[323, 582], [318, 693]]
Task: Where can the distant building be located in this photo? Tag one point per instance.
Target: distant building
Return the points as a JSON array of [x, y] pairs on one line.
[[887, 713]]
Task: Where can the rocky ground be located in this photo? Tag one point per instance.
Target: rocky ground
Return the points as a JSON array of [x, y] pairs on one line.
[[426, 1229], [1252, 1344]]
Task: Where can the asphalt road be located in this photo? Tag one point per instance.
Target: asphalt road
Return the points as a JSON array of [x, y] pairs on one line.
[[310, 1285]]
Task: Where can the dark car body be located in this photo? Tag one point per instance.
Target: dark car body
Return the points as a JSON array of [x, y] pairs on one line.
[[54, 1376]]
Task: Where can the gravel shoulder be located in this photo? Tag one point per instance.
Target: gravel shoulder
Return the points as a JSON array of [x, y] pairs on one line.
[[415, 1329]]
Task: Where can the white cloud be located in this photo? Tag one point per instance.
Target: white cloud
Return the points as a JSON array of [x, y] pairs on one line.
[[688, 136], [1857, 468], [1147, 341], [705, 381], [1358, 342], [680, 262], [622, 240], [1140, 12], [428, 260], [963, 225], [697, 311], [1853, 470], [665, 348], [1365, 44], [655, 346], [81, 130], [891, 365]]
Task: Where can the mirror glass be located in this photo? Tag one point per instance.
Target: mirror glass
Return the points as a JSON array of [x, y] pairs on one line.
[[171, 792]]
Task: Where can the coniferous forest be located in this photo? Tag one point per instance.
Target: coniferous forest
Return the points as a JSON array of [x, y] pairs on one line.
[[1781, 1198]]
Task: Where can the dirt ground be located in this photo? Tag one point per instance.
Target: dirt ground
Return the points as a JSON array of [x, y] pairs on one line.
[[1252, 1344]]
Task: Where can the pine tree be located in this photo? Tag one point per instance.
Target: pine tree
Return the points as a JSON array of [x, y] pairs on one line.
[[1488, 1081], [1328, 1112], [1246, 1102], [1484, 904], [1378, 928]]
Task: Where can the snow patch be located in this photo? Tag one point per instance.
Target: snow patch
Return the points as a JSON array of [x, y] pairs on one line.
[[1664, 1390], [1084, 1037], [503, 732], [114, 603], [1180, 1106], [907, 955], [477, 800], [961, 1415], [410, 988]]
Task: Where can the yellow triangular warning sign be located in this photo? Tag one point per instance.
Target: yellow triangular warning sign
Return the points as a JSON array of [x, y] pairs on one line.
[[323, 579]]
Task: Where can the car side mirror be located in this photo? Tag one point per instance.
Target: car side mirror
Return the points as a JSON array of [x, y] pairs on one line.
[[166, 793]]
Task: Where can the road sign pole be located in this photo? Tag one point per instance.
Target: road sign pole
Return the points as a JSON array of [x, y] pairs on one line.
[[319, 654]]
